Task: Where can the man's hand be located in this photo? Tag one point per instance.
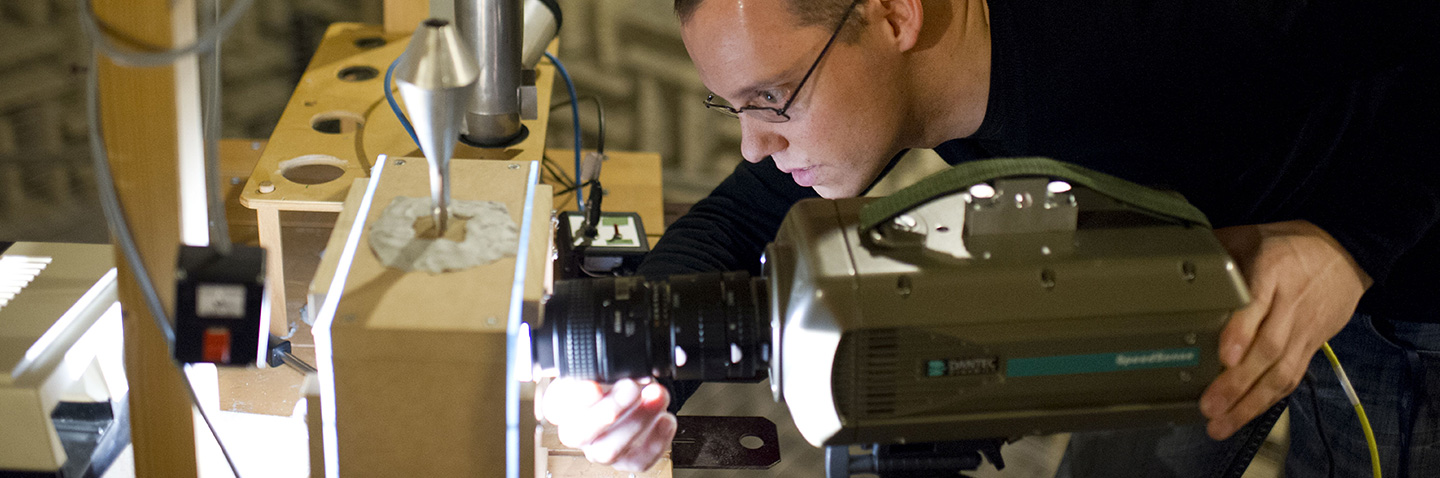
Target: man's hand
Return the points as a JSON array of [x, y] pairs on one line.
[[626, 427], [1304, 287]]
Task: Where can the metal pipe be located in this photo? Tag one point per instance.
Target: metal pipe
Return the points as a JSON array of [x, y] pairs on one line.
[[492, 28]]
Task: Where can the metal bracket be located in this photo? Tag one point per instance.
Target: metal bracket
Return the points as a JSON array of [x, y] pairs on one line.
[[710, 443], [935, 225], [529, 96], [1009, 207], [1021, 206]]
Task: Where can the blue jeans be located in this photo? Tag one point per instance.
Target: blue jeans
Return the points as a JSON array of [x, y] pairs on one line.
[[1395, 368]]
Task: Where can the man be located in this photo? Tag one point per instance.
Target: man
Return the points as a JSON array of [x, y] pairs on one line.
[[1306, 131]]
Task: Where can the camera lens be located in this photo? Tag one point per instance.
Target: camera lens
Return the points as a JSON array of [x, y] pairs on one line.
[[710, 327]]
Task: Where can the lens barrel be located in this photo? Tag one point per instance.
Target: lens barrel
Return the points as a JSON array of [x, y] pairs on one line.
[[709, 327]]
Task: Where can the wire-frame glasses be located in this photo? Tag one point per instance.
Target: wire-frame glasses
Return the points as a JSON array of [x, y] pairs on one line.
[[780, 115]]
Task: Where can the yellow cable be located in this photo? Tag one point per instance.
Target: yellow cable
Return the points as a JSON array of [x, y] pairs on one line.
[[1359, 410]]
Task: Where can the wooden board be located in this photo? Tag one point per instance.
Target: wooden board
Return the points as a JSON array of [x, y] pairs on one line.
[[140, 118], [420, 358], [401, 16], [237, 159], [322, 94]]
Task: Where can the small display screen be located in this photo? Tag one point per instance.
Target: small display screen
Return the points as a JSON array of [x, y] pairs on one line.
[[614, 231], [220, 301]]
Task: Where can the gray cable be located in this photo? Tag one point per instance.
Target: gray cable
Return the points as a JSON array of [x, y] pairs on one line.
[[135, 58], [215, 203]]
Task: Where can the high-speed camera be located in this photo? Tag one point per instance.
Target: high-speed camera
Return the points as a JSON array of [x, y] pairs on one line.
[[1026, 301]]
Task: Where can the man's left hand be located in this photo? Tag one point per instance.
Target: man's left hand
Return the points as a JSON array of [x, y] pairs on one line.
[[1304, 287]]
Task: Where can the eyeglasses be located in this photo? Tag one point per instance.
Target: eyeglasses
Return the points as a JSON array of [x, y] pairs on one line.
[[779, 115]]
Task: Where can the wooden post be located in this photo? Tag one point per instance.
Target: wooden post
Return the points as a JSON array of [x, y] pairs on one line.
[[140, 110]]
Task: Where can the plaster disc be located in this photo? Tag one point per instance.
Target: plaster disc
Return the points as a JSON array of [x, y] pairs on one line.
[[480, 232]]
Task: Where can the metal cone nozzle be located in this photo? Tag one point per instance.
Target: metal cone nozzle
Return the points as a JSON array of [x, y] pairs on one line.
[[434, 75]]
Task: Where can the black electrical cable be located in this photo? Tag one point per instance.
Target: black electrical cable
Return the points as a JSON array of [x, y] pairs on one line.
[[557, 172], [559, 176], [599, 114]]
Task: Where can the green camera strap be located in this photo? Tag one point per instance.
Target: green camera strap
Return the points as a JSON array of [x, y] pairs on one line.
[[967, 174]]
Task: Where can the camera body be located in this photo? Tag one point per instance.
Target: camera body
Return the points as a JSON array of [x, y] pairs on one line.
[[1112, 324]]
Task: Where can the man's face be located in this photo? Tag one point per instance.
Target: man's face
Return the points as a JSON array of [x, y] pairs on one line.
[[846, 121]]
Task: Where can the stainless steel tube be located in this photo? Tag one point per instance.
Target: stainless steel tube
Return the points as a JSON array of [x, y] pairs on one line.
[[493, 29]]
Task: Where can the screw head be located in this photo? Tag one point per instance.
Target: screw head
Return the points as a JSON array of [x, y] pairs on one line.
[[513, 166], [267, 187], [399, 162], [903, 287]]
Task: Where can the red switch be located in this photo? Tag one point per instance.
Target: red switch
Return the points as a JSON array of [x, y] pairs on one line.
[[216, 348]]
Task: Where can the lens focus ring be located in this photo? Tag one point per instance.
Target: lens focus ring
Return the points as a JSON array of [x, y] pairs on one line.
[[573, 323], [579, 350]]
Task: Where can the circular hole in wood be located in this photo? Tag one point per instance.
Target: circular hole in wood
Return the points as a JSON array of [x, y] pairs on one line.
[[358, 73], [337, 122], [312, 169], [369, 43], [751, 442]]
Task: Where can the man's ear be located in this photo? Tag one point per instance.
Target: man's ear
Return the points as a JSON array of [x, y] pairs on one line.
[[903, 19]]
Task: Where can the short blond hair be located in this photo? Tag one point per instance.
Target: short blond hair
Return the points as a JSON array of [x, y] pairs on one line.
[[807, 12]]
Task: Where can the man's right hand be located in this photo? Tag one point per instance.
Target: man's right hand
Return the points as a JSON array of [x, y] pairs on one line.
[[625, 426]]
